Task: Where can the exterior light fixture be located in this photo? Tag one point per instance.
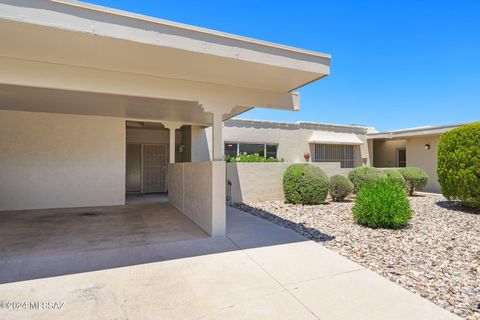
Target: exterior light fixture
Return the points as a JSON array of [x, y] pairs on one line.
[[181, 148], [427, 146]]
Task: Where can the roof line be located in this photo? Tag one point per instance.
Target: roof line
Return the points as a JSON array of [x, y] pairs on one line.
[[178, 25], [297, 123], [418, 129]]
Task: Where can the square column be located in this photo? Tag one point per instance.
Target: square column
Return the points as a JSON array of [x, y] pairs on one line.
[[217, 137], [172, 126]]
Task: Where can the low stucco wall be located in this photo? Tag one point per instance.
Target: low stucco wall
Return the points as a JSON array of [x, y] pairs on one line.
[[197, 189], [52, 160], [262, 181]]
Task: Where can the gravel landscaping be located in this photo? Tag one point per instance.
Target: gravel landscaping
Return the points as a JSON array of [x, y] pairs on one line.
[[437, 255]]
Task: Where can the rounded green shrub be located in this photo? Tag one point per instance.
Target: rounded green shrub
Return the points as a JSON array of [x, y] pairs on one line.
[[395, 175], [415, 179], [459, 164], [305, 184], [363, 175], [382, 204], [340, 187]]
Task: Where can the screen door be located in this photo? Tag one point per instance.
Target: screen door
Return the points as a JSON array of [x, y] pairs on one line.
[[154, 166]]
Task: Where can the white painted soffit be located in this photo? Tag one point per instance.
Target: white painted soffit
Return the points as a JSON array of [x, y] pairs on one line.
[[335, 138], [80, 34]]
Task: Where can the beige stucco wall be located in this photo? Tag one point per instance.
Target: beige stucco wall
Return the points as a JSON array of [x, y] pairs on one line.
[[57, 160], [385, 152], [197, 189], [292, 141], [263, 181], [417, 156], [200, 143]]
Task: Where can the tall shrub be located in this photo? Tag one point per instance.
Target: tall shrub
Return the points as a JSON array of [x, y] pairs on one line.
[[415, 179], [305, 184], [459, 164], [363, 175]]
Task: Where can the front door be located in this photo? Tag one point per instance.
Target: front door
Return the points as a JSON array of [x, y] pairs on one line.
[[402, 158], [154, 166]]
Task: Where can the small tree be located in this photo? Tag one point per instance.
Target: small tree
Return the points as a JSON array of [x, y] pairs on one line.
[[415, 179]]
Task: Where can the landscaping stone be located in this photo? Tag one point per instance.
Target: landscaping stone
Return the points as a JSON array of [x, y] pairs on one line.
[[437, 255]]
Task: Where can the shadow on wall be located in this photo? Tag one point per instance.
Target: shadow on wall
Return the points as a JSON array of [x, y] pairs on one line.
[[311, 233]]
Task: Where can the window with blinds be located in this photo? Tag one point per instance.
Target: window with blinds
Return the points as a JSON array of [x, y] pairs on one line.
[[335, 153]]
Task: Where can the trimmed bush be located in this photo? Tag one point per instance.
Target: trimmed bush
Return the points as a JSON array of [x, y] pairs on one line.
[[305, 184], [395, 175], [340, 187], [363, 175], [415, 179], [459, 164], [245, 157], [382, 204]]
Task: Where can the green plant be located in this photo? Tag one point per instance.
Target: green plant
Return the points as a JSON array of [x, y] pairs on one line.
[[245, 157], [459, 164], [415, 179], [382, 204], [340, 187], [305, 184], [363, 175], [395, 175]]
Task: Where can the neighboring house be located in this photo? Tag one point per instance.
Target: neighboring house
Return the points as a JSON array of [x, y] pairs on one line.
[[95, 102], [334, 148], [343, 144], [414, 147]]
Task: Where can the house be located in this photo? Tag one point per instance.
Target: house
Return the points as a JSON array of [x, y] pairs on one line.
[[414, 147], [344, 144], [336, 149], [95, 102]]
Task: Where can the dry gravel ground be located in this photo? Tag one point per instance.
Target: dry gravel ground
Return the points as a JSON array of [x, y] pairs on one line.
[[437, 255]]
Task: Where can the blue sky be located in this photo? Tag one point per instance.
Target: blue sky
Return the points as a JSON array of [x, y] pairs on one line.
[[395, 64]]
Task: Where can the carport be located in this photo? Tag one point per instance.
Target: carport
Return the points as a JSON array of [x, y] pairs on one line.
[[73, 75]]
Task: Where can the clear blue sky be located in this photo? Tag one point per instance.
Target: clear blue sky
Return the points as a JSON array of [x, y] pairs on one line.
[[395, 64]]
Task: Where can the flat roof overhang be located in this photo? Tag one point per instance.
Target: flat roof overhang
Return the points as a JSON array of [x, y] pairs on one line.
[[69, 33]]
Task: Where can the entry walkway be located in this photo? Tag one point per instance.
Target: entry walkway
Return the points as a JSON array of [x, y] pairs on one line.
[[259, 271]]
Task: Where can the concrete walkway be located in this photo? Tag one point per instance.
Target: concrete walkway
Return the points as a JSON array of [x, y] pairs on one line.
[[259, 271]]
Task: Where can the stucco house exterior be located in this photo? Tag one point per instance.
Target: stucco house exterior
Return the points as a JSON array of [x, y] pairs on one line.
[[334, 148], [413, 147], [95, 102], [346, 144]]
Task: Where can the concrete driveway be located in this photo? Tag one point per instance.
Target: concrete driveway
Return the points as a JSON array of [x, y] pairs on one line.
[[259, 271]]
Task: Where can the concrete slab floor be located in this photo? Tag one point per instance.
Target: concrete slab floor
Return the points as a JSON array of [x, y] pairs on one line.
[[259, 271]]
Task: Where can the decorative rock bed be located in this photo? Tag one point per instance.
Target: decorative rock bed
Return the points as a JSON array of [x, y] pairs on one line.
[[437, 255]]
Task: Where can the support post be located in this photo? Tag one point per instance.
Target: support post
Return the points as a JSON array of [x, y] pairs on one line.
[[217, 137], [172, 126]]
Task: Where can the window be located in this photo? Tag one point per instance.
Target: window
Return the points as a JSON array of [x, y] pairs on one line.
[[232, 149], [251, 148], [335, 153], [402, 158], [271, 151]]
